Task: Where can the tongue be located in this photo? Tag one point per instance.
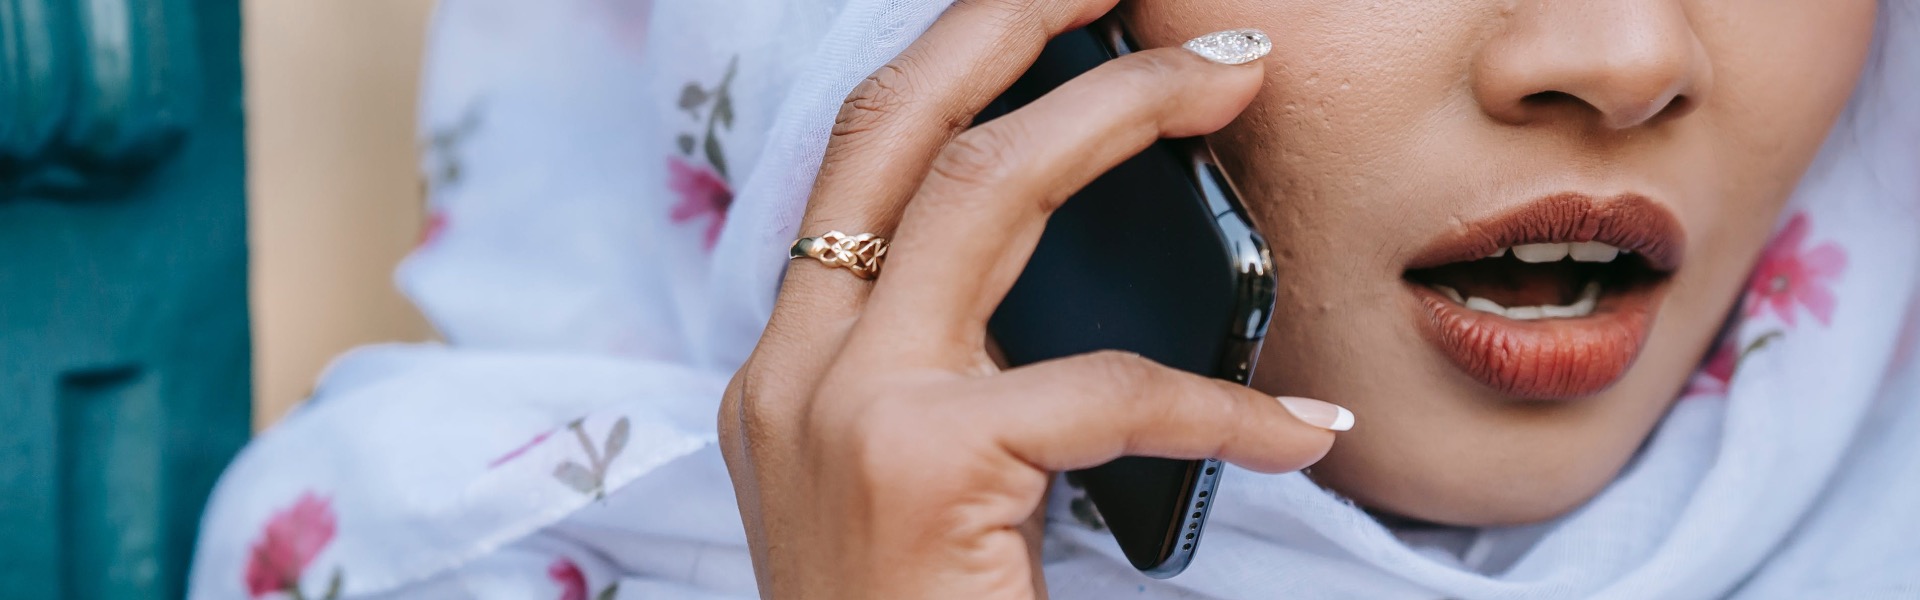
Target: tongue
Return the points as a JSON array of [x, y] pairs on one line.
[[1511, 282]]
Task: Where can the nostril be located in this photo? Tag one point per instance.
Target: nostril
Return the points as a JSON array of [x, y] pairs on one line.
[[1677, 107], [1550, 98], [1616, 116], [1555, 105]]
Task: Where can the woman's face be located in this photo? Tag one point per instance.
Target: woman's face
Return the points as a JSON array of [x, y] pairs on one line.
[[1400, 143]]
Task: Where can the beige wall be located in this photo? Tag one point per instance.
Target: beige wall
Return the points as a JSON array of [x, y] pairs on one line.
[[333, 191]]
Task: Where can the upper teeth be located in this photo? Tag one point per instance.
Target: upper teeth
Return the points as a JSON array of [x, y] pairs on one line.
[[1545, 253], [1581, 307]]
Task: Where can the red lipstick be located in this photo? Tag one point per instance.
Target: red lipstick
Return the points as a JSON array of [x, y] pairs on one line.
[[1548, 358]]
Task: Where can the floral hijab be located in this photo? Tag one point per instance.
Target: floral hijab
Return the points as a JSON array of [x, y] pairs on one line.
[[612, 186]]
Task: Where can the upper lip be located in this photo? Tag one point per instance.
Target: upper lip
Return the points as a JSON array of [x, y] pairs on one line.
[[1630, 222]]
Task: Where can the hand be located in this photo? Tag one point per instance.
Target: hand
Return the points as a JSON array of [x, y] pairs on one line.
[[876, 450]]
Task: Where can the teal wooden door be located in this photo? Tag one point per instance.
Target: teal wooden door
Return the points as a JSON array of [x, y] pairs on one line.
[[124, 382]]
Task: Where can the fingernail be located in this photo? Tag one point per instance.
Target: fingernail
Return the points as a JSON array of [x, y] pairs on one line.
[[1231, 47], [1324, 415]]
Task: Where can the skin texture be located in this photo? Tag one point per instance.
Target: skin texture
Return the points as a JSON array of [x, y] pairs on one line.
[[878, 452], [875, 448], [1386, 125]]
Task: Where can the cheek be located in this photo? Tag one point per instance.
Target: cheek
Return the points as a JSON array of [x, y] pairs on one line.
[[1784, 73], [1353, 94]]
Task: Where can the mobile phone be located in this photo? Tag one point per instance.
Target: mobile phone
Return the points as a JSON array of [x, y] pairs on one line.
[[1155, 257]]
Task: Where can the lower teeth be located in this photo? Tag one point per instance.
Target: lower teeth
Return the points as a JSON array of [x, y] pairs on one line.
[[1589, 297]]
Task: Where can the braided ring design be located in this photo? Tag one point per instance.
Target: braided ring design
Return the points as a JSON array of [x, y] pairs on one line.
[[861, 253]]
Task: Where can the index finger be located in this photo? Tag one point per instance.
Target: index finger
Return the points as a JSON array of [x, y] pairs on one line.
[[1084, 410]]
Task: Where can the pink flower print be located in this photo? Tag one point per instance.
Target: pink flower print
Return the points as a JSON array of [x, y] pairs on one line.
[[1717, 373], [1716, 376], [702, 194], [436, 223], [290, 541], [1789, 274], [625, 19], [573, 583], [516, 452]]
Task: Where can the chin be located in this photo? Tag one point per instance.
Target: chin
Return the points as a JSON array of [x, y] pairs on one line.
[[1462, 455], [1518, 492], [1456, 455]]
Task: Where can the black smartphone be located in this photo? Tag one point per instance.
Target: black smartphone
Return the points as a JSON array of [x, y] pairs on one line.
[[1155, 257]]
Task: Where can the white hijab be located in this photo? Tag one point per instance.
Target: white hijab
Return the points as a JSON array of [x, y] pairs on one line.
[[599, 279]]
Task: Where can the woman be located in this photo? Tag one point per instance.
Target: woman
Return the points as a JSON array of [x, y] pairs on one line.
[[1722, 416]]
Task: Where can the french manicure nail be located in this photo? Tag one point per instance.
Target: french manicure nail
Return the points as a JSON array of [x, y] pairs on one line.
[[1324, 415], [1231, 47]]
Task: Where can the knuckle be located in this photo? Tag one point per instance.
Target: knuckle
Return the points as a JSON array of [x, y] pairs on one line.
[[1033, 19], [754, 406], [1217, 411], [755, 419], [1147, 70], [978, 158], [1015, 16], [1004, 9], [1124, 370], [731, 427], [1225, 403], [1149, 391], [878, 100]]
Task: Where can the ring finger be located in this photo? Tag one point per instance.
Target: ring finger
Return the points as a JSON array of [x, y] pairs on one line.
[[894, 123]]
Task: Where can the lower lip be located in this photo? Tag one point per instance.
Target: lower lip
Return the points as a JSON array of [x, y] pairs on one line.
[[1547, 359]]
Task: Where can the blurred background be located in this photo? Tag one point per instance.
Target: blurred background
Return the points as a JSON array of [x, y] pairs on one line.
[[201, 203], [333, 184]]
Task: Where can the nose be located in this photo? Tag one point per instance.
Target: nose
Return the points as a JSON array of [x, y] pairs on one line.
[[1618, 64]]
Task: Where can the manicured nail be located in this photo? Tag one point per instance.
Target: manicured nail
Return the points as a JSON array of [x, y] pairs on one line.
[[1231, 47], [1318, 414]]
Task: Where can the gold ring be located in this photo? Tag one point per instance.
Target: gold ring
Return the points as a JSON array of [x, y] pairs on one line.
[[861, 253]]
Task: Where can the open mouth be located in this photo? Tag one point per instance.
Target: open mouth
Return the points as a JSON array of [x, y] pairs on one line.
[[1553, 300], [1554, 280]]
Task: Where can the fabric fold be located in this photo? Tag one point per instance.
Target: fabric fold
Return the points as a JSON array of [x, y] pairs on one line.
[[613, 183], [403, 475]]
